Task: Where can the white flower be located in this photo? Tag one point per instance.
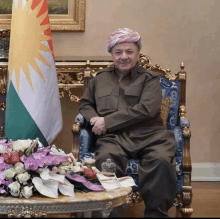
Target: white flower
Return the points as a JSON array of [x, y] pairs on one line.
[[2, 149], [62, 171], [9, 173], [23, 177], [71, 158], [19, 167], [15, 188], [76, 169], [21, 145], [78, 164], [27, 191], [57, 151]]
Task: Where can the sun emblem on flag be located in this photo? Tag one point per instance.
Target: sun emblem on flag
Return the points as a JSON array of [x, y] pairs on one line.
[[29, 30]]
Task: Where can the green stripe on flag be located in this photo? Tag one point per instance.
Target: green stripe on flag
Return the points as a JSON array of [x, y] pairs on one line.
[[18, 122]]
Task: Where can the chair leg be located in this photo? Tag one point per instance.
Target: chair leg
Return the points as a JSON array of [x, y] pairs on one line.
[[184, 201], [186, 212]]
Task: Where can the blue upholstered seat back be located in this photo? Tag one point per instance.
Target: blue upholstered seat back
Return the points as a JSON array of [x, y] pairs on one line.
[[170, 89]]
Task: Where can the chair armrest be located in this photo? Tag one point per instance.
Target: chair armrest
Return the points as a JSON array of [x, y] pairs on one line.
[[76, 139], [184, 122], [82, 138], [79, 121]]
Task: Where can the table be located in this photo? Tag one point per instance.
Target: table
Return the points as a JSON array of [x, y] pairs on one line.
[[41, 206]]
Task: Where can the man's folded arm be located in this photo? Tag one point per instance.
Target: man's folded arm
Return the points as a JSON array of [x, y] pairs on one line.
[[147, 108]]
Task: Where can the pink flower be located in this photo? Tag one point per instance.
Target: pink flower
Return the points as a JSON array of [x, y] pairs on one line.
[[2, 191], [14, 157], [6, 157]]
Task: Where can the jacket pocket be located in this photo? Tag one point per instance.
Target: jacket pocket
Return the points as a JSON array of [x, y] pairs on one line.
[[104, 92], [132, 95], [105, 101]]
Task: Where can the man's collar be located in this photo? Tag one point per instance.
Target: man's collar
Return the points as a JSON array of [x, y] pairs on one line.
[[137, 68], [133, 71]]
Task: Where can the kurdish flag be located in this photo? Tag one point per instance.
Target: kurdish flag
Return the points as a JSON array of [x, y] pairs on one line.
[[33, 108]]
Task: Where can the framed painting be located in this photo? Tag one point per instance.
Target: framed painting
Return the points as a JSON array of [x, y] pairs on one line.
[[65, 15]]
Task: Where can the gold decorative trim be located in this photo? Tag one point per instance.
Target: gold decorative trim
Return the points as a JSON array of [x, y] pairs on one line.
[[182, 111], [38, 206], [27, 212], [182, 76], [146, 62], [186, 132], [187, 180], [76, 127], [74, 21], [165, 107], [3, 76], [182, 73]]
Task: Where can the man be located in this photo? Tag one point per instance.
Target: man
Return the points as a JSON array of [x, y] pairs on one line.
[[122, 103]]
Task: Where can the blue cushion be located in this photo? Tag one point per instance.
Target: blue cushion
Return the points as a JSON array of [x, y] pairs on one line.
[[79, 118], [179, 140], [184, 122], [132, 166], [172, 90]]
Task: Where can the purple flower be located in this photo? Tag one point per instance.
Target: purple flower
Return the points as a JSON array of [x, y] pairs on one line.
[[38, 156], [30, 164], [3, 141], [3, 165], [2, 178], [48, 160], [57, 159], [8, 146], [45, 150], [23, 158]]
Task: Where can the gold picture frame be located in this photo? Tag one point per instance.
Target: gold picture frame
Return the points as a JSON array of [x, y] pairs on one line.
[[73, 21]]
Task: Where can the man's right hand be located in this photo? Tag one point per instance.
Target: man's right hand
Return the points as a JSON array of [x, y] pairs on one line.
[[93, 120], [98, 123]]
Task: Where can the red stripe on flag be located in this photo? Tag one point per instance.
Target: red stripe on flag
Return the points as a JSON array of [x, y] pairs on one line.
[[45, 21], [35, 3], [43, 9]]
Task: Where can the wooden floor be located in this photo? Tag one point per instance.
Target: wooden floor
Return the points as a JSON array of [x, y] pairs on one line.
[[206, 203]]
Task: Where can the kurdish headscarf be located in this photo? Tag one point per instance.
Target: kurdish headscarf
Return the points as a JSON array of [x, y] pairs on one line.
[[123, 35]]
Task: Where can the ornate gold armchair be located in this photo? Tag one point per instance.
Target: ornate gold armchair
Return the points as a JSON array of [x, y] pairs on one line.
[[173, 88]]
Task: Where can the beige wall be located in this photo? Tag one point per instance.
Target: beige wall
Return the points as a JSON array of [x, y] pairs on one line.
[[173, 31]]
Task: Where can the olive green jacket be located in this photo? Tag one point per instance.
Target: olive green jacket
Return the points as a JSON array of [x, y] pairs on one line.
[[133, 101]]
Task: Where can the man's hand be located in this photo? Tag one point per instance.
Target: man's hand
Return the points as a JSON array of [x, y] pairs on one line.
[[99, 127], [93, 120]]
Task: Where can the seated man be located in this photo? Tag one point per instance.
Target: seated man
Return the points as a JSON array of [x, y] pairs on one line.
[[122, 103]]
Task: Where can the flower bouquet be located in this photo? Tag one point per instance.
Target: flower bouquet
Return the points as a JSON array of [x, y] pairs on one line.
[[26, 167]]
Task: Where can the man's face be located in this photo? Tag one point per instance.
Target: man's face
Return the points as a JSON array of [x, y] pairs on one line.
[[125, 56]]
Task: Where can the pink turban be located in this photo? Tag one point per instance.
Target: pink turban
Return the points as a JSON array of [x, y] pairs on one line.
[[123, 35]]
